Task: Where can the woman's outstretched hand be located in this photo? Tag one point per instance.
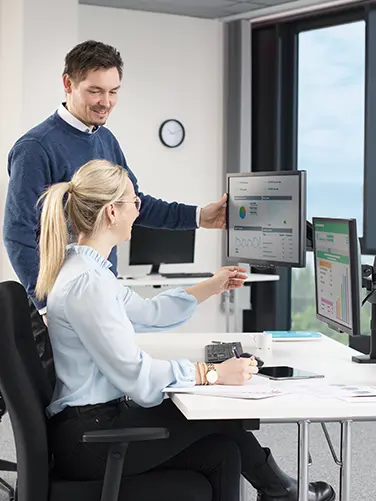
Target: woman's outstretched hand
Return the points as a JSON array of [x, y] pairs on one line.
[[228, 278], [225, 279]]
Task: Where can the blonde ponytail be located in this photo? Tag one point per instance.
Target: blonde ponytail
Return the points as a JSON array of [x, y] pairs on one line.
[[53, 238], [93, 186]]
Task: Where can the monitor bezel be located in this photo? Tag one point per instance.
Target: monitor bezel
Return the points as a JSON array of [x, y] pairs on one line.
[[355, 277], [301, 262]]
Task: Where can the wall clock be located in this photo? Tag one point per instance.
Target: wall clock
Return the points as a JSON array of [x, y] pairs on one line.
[[172, 133]]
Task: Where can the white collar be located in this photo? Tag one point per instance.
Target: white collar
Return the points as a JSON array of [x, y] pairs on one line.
[[73, 121]]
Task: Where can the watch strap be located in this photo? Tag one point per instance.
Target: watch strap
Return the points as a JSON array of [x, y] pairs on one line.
[[210, 367]]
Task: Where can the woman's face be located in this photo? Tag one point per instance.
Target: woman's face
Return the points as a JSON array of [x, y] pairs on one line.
[[126, 211]]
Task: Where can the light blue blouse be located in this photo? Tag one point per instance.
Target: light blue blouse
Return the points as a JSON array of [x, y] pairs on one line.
[[92, 320]]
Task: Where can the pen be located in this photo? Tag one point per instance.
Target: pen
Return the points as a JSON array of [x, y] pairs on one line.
[[236, 353]]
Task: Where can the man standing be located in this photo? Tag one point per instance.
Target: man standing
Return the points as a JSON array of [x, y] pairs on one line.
[[53, 150]]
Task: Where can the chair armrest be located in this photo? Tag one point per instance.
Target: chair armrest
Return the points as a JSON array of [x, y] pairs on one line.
[[7, 465], [125, 435]]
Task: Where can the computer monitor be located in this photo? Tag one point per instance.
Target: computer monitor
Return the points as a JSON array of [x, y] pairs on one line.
[[337, 274], [266, 218], [150, 246]]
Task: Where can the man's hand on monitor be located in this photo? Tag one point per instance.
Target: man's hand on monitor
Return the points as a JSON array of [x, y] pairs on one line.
[[214, 215]]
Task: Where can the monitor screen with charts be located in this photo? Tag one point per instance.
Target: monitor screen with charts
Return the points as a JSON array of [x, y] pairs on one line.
[[337, 273], [266, 218]]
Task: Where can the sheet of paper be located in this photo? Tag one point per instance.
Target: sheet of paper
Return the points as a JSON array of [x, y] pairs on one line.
[[256, 389], [350, 393], [225, 392], [322, 389], [260, 388]]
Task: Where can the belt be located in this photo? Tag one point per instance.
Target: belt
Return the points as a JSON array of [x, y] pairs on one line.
[[74, 411]]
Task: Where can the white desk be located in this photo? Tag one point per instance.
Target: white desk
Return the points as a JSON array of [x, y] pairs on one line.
[[327, 357], [159, 281]]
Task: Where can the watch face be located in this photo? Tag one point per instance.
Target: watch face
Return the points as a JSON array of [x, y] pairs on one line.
[[172, 133], [212, 376]]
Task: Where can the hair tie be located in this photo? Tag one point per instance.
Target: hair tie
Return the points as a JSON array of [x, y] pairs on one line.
[[70, 187]]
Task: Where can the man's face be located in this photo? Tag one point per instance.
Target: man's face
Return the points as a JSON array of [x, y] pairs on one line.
[[91, 100]]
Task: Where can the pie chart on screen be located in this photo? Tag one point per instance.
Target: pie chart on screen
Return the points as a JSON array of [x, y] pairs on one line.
[[242, 212]]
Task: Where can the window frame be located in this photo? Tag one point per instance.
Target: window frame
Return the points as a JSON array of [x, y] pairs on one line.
[[275, 126]]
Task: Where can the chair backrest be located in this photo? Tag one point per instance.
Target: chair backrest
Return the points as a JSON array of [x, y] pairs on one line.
[[3, 408], [26, 391]]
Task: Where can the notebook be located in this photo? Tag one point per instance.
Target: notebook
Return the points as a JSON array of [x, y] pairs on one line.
[[295, 335]]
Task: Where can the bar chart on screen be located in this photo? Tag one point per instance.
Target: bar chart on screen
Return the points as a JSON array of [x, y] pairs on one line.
[[334, 285], [342, 302]]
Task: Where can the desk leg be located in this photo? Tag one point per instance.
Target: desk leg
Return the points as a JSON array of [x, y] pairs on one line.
[[303, 459], [345, 478], [227, 309]]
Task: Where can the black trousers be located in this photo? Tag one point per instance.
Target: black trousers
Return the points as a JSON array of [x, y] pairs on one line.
[[219, 450]]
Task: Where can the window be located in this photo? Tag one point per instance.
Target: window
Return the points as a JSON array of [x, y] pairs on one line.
[[331, 90]]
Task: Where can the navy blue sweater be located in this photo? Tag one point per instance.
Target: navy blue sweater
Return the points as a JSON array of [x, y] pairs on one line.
[[50, 153]]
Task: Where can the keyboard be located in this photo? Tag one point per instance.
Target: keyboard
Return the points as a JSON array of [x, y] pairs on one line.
[[219, 352], [203, 274]]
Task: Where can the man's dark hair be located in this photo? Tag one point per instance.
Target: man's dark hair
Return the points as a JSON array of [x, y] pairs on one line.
[[91, 55]]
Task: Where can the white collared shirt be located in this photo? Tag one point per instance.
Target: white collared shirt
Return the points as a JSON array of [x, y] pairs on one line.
[[73, 121]]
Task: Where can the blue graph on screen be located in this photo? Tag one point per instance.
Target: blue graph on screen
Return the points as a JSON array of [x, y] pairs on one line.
[[253, 242]]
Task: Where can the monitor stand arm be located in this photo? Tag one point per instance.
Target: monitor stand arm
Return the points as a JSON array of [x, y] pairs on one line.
[[369, 283], [154, 269]]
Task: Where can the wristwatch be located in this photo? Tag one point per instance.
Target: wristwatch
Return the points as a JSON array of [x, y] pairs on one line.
[[211, 374]]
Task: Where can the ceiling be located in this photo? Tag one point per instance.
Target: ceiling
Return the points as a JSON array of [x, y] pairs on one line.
[[210, 9]]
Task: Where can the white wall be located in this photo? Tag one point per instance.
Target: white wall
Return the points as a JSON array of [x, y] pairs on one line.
[[30, 69], [172, 69]]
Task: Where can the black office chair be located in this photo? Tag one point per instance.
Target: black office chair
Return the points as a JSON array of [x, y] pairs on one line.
[[27, 392], [6, 465]]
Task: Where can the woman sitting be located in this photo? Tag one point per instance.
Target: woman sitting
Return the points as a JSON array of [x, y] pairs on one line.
[[92, 319]]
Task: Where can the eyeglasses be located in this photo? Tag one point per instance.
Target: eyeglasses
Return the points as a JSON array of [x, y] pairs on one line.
[[136, 202]]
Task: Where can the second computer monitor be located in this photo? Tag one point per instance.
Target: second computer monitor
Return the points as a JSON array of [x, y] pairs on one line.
[[150, 246], [337, 273], [266, 218]]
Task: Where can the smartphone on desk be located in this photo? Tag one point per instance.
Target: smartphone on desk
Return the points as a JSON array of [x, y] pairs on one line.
[[284, 372]]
